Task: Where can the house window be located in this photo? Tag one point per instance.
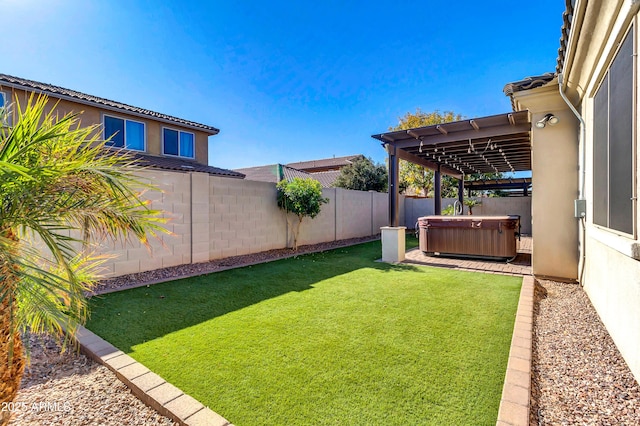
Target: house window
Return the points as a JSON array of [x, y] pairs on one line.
[[5, 118], [178, 143], [613, 146], [127, 134]]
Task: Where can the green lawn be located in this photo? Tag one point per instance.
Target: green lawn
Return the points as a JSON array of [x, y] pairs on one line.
[[330, 338]]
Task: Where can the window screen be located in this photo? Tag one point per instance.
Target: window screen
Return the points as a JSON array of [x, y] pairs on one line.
[[613, 144]]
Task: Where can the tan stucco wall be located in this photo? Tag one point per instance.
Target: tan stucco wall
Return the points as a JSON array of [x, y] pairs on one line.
[[92, 115], [612, 281], [612, 261], [554, 160]]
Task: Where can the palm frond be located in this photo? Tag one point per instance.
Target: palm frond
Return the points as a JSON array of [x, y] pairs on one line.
[[60, 189]]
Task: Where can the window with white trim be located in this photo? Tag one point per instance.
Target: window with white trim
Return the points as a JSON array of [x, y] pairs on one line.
[[178, 143], [613, 143], [124, 133]]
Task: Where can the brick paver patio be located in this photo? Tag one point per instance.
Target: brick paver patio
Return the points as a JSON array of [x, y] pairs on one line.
[[521, 266]]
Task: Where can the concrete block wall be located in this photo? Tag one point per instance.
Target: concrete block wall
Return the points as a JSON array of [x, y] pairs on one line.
[[244, 218], [323, 227], [214, 217], [173, 198]]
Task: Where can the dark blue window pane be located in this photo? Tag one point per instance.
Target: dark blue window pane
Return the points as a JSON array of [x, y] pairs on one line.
[[170, 138], [186, 145], [114, 128], [135, 135]]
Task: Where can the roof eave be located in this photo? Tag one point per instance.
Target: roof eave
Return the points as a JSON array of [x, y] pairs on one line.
[[209, 130]]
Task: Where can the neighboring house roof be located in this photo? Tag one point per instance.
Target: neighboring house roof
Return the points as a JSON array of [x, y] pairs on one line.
[[324, 164], [274, 173], [175, 163], [270, 173], [326, 179], [61, 92], [290, 173]]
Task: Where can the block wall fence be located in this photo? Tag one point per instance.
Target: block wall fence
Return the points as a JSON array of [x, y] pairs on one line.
[[212, 217]]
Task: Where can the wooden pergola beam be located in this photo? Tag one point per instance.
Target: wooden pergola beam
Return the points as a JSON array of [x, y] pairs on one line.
[[432, 165], [488, 132]]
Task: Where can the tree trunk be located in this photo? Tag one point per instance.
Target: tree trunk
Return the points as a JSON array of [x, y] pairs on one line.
[[11, 358], [296, 232], [11, 355]]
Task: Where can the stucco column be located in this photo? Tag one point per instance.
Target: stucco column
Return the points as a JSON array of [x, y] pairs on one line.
[[554, 164], [393, 243]]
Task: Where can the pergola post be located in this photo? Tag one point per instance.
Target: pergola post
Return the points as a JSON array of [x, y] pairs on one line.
[[461, 189], [393, 236], [394, 184], [437, 191]]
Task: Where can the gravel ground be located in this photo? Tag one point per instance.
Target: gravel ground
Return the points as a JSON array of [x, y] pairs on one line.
[[71, 389], [579, 377]]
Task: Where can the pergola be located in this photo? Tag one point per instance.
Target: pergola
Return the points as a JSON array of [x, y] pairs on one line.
[[497, 143]]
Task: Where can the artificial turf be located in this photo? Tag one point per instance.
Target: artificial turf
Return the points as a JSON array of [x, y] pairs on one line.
[[329, 338]]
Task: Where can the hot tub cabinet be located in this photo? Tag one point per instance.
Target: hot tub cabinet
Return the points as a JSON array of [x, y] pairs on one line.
[[477, 236]]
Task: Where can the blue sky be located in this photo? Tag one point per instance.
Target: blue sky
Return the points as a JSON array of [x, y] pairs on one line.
[[285, 81]]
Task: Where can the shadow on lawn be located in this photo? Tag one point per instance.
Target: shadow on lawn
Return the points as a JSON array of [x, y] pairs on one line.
[[142, 314]]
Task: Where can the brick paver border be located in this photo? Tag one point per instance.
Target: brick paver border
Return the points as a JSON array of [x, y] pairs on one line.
[[516, 392], [147, 386]]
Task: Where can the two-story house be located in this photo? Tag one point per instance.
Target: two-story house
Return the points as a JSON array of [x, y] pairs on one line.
[[156, 140]]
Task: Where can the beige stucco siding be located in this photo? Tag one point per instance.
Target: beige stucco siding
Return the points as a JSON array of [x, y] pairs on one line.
[[554, 161], [611, 259], [92, 115]]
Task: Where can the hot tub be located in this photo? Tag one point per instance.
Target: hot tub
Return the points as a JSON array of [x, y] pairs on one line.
[[476, 236]]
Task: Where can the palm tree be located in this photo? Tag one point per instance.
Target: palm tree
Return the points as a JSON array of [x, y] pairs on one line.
[[61, 193]]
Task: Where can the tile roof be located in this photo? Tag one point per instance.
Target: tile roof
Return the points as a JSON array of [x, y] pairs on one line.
[[325, 163], [326, 179], [290, 173], [528, 83], [270, 173], [565, 30], [61, 92], [179, 164], [274, 173]]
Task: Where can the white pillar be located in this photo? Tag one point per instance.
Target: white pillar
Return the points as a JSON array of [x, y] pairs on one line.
[[393, 243]]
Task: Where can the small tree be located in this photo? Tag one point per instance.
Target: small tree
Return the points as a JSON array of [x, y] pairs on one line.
[[471, 203], [302, 197], [363, 175]]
